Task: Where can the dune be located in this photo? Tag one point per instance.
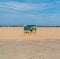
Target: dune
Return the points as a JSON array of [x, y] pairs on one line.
[[18, 33]]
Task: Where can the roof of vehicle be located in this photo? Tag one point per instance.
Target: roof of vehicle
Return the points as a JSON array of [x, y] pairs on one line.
[[29, 25]]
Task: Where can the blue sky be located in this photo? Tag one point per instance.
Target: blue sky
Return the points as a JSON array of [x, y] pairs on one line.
[[21, 12]]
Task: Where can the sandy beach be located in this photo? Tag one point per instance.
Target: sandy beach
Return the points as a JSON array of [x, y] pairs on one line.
[[45, 44], [18, 33], [30, 49]]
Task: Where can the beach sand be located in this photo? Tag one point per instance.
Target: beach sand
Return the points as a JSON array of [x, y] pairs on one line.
[[45, 44], [30, 49], [18, 33]]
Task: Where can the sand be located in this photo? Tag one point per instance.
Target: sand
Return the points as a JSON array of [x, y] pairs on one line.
[[30, 49], [18, 33], [45, 44]]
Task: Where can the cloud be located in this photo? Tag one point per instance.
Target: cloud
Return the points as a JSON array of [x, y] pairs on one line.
[[25, 6], [17, 13]]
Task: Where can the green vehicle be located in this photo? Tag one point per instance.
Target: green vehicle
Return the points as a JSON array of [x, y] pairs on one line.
[[29, 28]]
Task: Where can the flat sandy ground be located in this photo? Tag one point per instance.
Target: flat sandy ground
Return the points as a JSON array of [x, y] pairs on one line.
[[30, 49], [18, 33], [45, 44]]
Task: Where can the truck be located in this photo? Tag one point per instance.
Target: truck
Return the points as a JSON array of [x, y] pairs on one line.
[[30, 28]]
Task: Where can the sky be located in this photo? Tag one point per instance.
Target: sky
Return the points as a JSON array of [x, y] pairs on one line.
[[38, 12]]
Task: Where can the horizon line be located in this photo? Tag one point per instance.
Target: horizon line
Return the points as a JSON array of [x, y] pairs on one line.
[[23, 26]]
